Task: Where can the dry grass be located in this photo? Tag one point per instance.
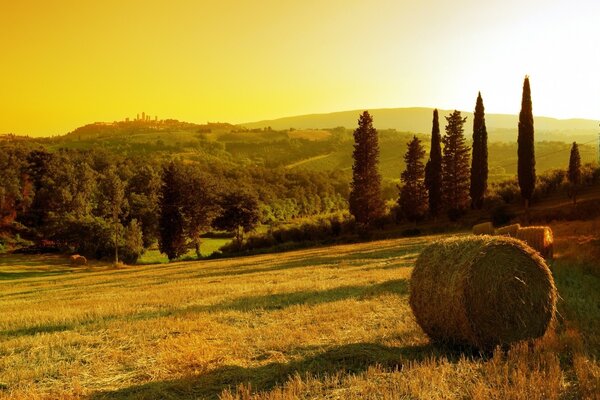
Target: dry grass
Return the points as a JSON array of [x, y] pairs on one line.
[[331, 322]]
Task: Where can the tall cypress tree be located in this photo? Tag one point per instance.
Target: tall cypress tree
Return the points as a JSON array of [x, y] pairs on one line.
[[455, 167], [171, 223], [413, 195], [574, 173], [366, 203], [526, 149], [479, 161], [433, 168]]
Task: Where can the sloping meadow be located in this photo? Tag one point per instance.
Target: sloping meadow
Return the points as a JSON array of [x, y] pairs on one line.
[[326, 322]]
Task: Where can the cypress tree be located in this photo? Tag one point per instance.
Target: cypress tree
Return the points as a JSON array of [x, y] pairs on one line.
[[171, 223], [413, 194], [433, 168], [574, 173], [455, 167], [479, 161], [366, 204], [526, 149]]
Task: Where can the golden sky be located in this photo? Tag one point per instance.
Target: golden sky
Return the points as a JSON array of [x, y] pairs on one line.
[[67, 63]]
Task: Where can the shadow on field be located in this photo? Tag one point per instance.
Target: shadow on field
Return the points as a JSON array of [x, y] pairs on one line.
[[33, 330], [350, 358], [267, 302], [320, 260], [280, 301]]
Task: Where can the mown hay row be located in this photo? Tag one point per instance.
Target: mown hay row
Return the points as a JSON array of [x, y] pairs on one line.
[[485, 228], [482, 291], [509, 230], [538, 237]]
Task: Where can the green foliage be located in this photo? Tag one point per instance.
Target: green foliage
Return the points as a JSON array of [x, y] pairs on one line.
[[479, 161], [240, 214], [366, 204], [171, 224], [526, 146], [323, 229], [574, 172], [87, 235], [413, 194], [455, 167], [433, 168], [132, 245]]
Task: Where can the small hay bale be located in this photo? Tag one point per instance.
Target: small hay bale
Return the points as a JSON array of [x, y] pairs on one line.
[[482, 292], [77, 260], [509, 230], [538, 237], [485, 228]]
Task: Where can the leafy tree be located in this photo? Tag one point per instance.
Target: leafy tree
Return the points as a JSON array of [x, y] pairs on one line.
[[526, 149], [37, 168], [200, 205], [13, 185], [455, 167], [366, 204], [113, 191], [240, 214], [479, 161], [574, 173], [133, 243], [433, 168], [143, 191], [413, 194], [171, 223]]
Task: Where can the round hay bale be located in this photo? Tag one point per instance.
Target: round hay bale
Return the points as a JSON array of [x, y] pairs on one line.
[[509, 230], [77, 260], [538, 237], [485, 228], [482, 292]]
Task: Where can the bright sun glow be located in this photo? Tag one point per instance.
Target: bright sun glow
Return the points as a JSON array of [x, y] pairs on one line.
[[70, 62]]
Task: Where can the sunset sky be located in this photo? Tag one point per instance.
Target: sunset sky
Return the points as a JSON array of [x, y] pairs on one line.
[[68, 63]]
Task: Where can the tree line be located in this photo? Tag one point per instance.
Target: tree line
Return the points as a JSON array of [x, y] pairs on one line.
[[106, 205], [455, 176]]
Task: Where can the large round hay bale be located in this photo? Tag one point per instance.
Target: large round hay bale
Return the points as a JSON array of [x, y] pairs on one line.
[[538, 237], [509, 230], [482, 291], [485, 228]]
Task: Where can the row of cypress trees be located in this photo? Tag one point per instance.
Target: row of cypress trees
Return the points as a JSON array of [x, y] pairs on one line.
[[446, 182]]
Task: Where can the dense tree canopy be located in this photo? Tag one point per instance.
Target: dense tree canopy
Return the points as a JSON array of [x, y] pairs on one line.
[[455, 167], [366, 203]]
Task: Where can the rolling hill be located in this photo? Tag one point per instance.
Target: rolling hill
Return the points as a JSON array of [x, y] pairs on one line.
[[502, 127]]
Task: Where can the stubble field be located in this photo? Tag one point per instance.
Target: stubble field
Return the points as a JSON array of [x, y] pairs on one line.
[[330, 322]]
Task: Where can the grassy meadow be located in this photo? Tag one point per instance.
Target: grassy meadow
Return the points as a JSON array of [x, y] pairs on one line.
[[329, 322]]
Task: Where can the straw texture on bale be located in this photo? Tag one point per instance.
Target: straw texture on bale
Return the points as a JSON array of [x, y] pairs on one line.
[[485, 228], [482, 291], [538, 237], [509, 230]]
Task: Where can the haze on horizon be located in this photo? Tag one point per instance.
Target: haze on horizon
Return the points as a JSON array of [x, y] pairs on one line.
[[68, 63]]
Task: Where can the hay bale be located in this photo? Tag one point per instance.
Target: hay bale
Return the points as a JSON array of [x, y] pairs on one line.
[[509, 230], [485, 228], [482, 292], [538, 237], [77, 260]]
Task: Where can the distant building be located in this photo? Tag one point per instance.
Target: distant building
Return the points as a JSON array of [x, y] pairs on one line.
[[138, 117], [143, 116]]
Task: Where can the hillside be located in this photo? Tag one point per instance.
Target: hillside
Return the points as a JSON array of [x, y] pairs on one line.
[[501, 127], [324, 149], [332, 322]]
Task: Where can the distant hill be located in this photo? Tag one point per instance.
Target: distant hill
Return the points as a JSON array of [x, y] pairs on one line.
[[324, 149], [502, 127]]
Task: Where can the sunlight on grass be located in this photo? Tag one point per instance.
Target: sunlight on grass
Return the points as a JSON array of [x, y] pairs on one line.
[[328, 322]]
